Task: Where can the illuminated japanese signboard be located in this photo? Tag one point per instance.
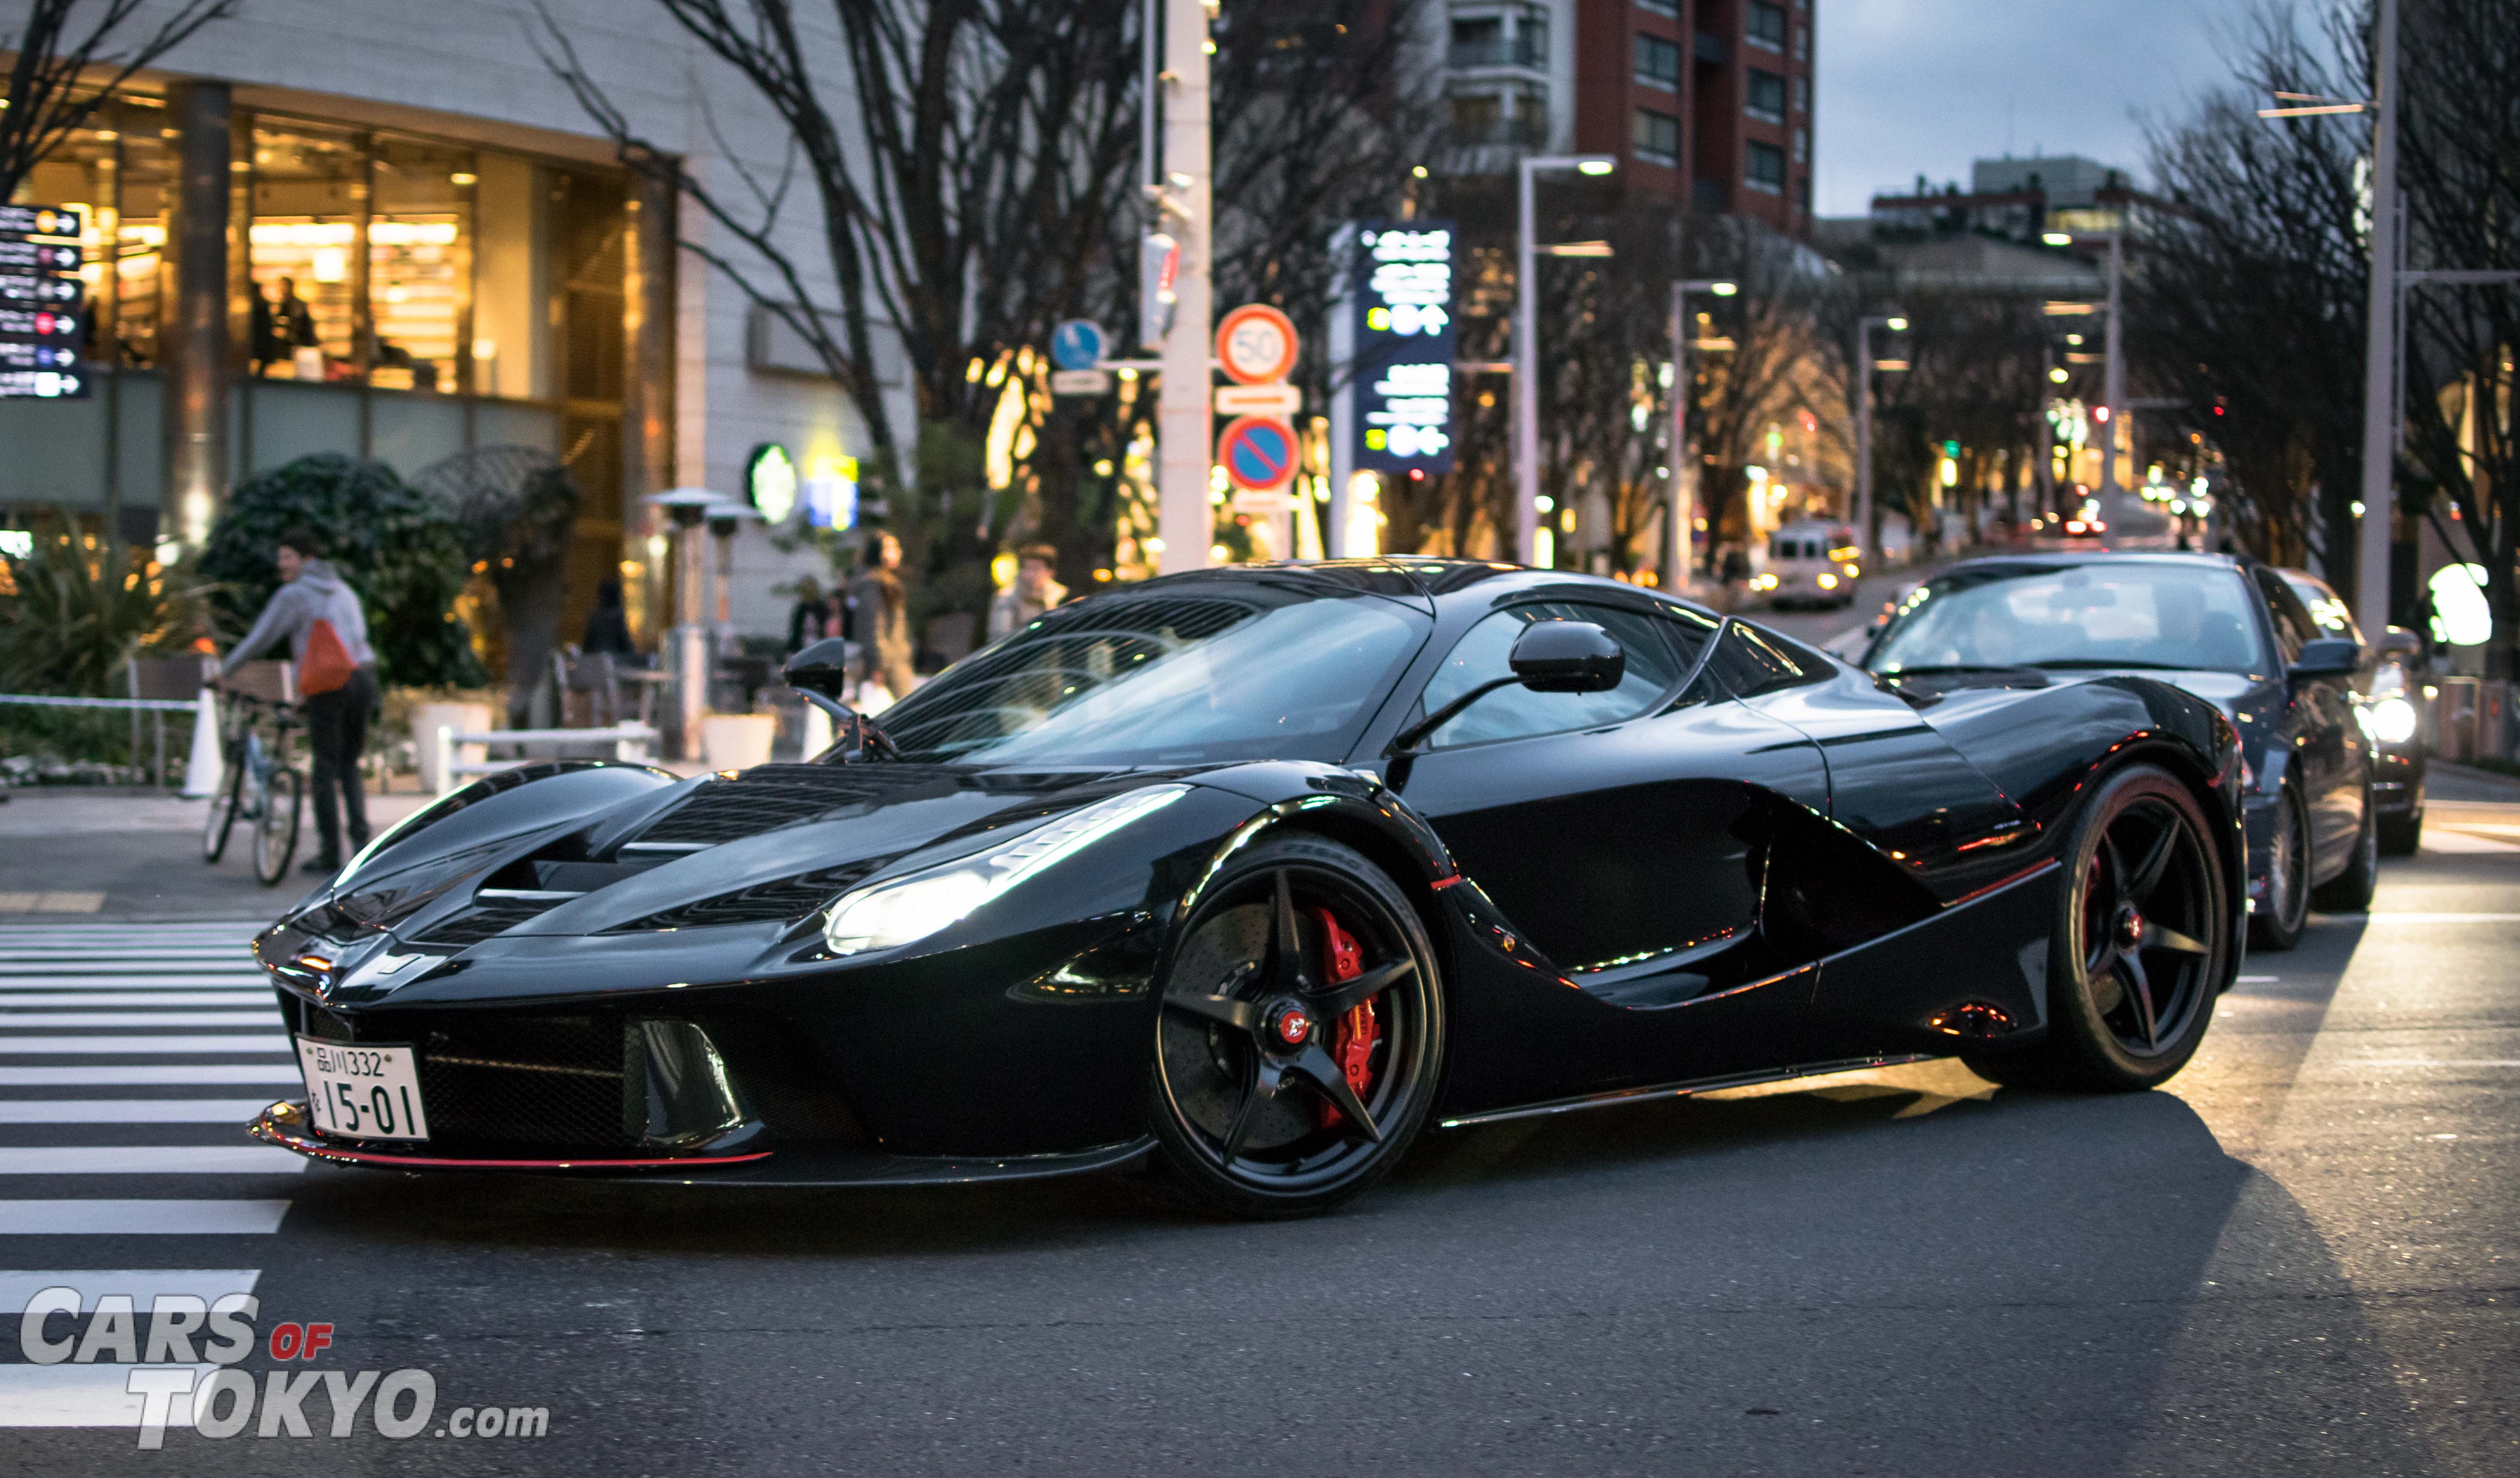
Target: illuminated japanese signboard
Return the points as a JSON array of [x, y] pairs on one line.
[[40, 303], [1403, 343]]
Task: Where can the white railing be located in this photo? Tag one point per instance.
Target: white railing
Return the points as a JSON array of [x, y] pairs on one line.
[[623, 737]]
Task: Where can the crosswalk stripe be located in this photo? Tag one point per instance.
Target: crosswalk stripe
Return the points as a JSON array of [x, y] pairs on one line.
[[149, 1217], [119, 980], [148, 1160], [141, 1285], [87, 1396], [141, 1047], [14, 1020], [129, 1111], [15, 999], [137, 1074]]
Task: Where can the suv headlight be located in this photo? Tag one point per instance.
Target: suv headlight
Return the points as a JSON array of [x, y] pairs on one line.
[[908, 909], [2392, 721]]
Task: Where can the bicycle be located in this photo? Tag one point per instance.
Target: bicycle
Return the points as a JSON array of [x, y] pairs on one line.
[[259, 787]]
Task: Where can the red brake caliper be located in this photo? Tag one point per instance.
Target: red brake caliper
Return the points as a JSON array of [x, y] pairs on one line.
[[1353, 1046]]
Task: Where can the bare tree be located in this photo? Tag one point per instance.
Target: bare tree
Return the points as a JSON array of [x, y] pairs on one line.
[[70, 58]]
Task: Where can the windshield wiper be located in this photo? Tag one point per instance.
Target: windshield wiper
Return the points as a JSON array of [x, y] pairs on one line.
[[1946, 669], [873, 739], [2102, 664]]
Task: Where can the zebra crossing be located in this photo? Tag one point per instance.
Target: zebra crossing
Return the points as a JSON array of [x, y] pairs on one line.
[[131, 1055]]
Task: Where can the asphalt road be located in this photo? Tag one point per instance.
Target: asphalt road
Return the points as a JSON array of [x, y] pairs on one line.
[[2297, 1259]]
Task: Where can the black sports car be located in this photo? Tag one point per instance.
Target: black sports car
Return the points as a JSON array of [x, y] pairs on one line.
[[1256, 873], [2230, 631]]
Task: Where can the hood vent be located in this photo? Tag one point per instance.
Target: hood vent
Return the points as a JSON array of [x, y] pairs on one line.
[[783, 901], [767, 797]]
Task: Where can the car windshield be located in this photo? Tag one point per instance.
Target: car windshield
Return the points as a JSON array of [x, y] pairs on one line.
[[2103, 614], [1227, 673]]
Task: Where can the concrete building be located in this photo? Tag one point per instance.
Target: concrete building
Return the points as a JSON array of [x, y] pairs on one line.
[[469, 264], [1706, 101]]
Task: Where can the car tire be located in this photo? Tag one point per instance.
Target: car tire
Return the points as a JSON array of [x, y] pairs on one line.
[[2350, 891], [2279, 925], [2401, 835], [1251, 1102], [2141, 948]]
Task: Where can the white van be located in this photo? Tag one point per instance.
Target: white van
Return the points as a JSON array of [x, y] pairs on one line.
[[1810, 562]]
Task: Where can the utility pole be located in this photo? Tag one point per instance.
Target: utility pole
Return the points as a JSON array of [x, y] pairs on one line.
[[2380, 339], [1184, 418], [1678, 548], [2114, 378], [1866, 516]]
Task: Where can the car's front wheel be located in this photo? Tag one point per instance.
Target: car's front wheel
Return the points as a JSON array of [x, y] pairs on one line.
[[2140, 945], [1300, 1039], [2285, 912]]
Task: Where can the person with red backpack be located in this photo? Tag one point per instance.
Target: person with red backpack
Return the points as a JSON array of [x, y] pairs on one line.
[[319, 614]]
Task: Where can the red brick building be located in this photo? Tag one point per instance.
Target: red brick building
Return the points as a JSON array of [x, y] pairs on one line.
[[1708, 101]]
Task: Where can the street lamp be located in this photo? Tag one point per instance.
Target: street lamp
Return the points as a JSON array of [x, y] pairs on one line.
[[1526, 344], [2114, 404], [2380, 412], [1865, 516], [1676, 516]]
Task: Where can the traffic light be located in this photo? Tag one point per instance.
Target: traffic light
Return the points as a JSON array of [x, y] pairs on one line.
[[1952, 448]]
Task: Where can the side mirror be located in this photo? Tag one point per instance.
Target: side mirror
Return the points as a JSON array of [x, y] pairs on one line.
[[2398, 642], [821, 668], [2326, 657], [1567, 656]]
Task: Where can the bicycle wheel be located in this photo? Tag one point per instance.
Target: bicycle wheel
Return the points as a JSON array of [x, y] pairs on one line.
[[275, 833], [223, 812]]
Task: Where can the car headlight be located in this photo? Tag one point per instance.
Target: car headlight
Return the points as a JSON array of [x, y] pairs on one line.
[[910, 909], [2392, 721]]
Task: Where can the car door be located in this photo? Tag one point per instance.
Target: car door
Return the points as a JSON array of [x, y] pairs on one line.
[[2327, 745], [1624, 833], [1886, 921]]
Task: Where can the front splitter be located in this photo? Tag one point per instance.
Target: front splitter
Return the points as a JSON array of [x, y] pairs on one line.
[[284, 1124]]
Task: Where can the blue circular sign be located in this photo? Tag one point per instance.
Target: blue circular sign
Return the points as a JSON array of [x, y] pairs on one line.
[[1076, 344]]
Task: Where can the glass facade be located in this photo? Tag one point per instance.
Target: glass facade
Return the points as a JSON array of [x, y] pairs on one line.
[[389, 296]]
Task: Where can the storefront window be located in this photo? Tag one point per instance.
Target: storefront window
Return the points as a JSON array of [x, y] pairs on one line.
[[420, 272], [309, 198]]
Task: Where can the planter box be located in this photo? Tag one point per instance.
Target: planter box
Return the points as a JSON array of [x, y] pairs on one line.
[[737, 741]]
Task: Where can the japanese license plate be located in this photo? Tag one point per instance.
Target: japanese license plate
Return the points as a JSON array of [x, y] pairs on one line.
[[361, 1092]]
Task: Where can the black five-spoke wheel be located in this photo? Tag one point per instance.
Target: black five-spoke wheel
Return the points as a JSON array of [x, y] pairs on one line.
[[2142, 943], [1300, 1035]]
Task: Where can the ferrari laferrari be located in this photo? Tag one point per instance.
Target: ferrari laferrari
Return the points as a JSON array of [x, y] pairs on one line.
[[1245, 879]]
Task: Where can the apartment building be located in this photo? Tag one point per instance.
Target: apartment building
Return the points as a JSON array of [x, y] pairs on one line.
[[1706, 101]]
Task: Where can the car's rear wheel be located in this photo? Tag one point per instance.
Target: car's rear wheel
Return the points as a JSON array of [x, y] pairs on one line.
[[2140, 945], [2285, 911], [1301, 1033]]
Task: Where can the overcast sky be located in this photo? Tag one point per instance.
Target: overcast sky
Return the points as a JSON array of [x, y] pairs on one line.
[[1909, 86]]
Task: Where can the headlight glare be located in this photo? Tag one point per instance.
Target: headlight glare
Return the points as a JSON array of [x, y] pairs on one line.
[[910, 909], [2392, 721]]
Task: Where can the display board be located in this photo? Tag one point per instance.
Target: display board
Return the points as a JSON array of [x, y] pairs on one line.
[[1404, 341], [42, 315]]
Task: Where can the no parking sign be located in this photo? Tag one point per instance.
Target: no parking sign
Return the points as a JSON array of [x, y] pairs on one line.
[[1258, 453]]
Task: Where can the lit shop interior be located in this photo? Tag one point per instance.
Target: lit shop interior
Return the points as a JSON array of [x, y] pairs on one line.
[[388, 295]]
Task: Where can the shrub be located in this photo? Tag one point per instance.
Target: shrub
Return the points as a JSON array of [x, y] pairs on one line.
[[398, 549], [78, 608]]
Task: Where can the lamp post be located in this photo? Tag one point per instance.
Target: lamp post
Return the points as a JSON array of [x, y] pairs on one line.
[[1526, 343], [1865, 516], [1678, 514], [2379, 342], [2113, 375]]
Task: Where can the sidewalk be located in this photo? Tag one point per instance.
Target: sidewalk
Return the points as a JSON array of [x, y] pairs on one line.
[[137, 854]]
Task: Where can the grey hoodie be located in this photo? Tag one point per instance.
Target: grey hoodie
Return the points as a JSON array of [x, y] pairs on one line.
[[317, 593]]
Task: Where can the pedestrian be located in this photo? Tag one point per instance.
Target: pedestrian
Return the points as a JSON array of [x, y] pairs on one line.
[[607, 625], [319, 615], [1736, 575], [1033, 593], [882, 614], [810, 619]]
